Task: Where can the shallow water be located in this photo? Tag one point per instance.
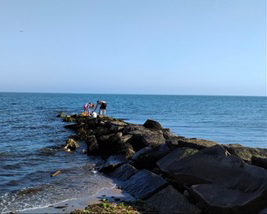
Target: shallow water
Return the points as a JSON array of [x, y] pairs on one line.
[[31, 136]]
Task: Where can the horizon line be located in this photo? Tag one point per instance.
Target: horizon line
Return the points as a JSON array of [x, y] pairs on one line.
[[25, 92]]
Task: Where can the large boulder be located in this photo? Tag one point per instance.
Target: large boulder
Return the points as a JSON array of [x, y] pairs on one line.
[[169, 200], [215, 165], [246, 153], [112, 163], [148, 156], [144, 184], [167, 162], [124, 172], [219, 199], [152, 124], [145, 137]]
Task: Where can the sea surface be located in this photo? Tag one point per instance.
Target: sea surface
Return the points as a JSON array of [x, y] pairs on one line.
[[31, 137]]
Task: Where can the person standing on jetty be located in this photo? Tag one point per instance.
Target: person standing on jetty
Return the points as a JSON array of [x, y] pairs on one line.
[[85, 108], [90, 108], [103, 107]]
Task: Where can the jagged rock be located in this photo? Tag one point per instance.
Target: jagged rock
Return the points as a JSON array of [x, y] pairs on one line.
[[246, 153], [92, 145], [147, 157], [71, 144], [166, 163], [142, 138], [244, 186], [261, 162], [61, 115], [169, 200], [167, 134], [219, 199], [144, 184], [124, 172], [152, 124], [195, 143], [112, 162]]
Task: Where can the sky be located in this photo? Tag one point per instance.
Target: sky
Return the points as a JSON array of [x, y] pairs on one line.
[[183, 47]]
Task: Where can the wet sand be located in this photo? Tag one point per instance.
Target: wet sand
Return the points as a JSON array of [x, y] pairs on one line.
[[112, 194]]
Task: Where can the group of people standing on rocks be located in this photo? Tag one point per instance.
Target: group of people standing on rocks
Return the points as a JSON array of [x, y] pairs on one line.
[[90, 108]]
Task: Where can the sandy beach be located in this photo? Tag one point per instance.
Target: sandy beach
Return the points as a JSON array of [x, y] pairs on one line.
[[112, 194]]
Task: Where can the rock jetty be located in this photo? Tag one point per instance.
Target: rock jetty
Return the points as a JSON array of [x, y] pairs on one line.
[[172, 173]]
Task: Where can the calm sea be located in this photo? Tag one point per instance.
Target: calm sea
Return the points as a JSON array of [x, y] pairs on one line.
[[31, 136]]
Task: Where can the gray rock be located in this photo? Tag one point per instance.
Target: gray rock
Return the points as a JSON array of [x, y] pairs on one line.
[[166, 162], [112, 162], [124, 172], [148, 156], [169, 200], [144, 184], [219, 199], [152, 124], [244, 186], [195, 143]]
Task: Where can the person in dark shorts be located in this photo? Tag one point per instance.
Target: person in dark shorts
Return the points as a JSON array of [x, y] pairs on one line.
[[102, 108]]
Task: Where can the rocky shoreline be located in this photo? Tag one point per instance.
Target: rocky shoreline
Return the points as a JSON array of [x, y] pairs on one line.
[[171, 173]]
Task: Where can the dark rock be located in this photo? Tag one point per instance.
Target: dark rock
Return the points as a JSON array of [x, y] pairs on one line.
[[195, 143], [166, 163], [92, 145], [261, 162], [124, 172], [142, 138], [246, 153], [219, 199], [148, 156], [169, 200], [152, 124], [71, 144], [144, 184], [215, 165], [112, 163], [74, 127]]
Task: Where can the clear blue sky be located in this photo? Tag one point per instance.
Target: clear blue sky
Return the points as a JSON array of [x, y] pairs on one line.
[[187, 47]]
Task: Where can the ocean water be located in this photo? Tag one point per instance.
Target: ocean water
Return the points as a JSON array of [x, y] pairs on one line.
[[31, 136]]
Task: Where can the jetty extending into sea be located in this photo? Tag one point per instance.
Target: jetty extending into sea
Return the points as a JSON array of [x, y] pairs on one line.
[[170, 173]]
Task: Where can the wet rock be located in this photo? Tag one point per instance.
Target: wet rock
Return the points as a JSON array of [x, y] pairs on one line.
[[261, 162], [169, 200], [124, 172], [166, 163], [246, 153], [152, 124], [71, 144], [144, 184], [112, 162], [147, 157]]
